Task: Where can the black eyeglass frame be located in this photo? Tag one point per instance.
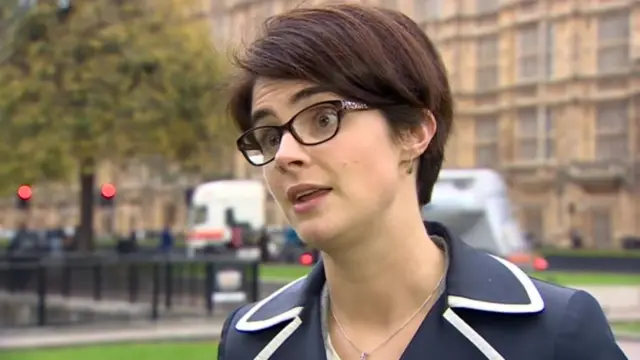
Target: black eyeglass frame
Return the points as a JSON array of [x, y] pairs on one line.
[[343, 107]]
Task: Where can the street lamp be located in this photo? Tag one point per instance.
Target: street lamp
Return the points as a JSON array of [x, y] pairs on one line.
[[107, 197]]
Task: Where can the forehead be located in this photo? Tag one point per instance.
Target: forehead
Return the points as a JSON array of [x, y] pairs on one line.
[[281, 99], [272, 90]]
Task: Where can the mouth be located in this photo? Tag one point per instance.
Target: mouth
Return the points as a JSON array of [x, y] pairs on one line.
[[304, 193], [310, 195]]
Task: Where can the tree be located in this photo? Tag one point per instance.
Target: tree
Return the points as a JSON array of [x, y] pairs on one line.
[[107, 80]]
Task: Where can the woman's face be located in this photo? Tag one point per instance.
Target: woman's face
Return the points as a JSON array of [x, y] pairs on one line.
[[352, 178]]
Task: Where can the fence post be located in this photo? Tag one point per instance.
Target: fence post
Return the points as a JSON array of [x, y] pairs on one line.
[[133, 282], [66, 280], [255, 281], [209, 287], [97, 282], [42, 294], [193, 282], [168, 283], [155, 291]]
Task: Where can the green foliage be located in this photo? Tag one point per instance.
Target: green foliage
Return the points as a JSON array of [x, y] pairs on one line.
[[109, 81]]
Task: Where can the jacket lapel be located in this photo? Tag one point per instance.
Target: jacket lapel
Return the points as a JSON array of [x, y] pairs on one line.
[[437, 339], [307, 341], [476, 282]]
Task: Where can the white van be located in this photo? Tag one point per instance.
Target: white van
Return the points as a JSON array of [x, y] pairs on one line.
[[217, 205], [475, 206]]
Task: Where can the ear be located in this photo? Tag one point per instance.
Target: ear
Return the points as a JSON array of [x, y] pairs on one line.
[[416, 140]]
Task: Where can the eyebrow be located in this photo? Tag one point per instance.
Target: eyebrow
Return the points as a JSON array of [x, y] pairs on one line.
[[298, 96]]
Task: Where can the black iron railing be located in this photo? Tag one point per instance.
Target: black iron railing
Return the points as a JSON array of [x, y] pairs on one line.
[[101, 288]]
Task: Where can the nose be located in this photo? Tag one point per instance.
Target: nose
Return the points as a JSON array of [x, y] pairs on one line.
[[291, 153]]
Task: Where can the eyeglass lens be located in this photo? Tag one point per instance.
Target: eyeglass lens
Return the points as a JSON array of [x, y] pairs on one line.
[[312, 126]]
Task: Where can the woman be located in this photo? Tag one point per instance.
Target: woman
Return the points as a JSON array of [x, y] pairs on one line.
[[347, 109]]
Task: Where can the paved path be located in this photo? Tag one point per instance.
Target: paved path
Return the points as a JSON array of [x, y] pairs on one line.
[[620, 303], [134, 332]]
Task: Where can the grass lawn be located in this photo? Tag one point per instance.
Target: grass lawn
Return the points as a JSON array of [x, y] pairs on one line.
[[627, 327], [156, 351], [568, 278], [283, 272], [292, 272]]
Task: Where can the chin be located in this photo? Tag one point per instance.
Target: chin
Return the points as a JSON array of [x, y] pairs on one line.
[[312, 234], [316, 232]]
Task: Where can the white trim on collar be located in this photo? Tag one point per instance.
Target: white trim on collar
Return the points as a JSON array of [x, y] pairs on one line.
[[536, 304], [245, 325]]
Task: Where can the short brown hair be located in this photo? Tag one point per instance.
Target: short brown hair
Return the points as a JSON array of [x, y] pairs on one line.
[[376, 56]]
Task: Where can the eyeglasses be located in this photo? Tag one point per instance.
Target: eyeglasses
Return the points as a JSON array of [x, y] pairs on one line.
[[313, 125]]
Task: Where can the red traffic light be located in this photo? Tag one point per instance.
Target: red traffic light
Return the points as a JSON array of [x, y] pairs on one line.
[[24, 192], [108, 191], [540, 264], [306, 259]]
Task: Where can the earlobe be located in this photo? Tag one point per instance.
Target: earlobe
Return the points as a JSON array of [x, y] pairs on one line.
[[408, 165]]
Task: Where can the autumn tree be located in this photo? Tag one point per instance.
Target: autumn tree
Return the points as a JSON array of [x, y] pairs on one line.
[[107, 80]]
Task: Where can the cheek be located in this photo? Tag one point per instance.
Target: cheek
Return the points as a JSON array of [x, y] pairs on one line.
[[368, 168], [270, 179]]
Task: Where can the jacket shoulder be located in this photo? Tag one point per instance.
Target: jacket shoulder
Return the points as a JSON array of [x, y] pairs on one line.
[[584, 331], [557, 300], [580, 326]]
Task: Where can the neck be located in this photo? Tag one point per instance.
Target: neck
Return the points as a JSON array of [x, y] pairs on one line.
[[384, 279]]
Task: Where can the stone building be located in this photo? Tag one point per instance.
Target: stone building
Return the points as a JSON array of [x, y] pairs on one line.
[[547, 92]]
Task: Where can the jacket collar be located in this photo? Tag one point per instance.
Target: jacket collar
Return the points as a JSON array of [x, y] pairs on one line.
[[475, 281]]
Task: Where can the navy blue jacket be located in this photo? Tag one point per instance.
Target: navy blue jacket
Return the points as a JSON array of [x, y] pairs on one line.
[[490, 310]]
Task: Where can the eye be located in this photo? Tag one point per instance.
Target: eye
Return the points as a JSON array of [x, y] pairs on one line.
[[326, 117], [268, 138]]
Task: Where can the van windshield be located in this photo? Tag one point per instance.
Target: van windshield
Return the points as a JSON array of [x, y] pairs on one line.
[[198, 215]]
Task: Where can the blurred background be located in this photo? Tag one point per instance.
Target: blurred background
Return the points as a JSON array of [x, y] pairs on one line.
[[127, 216]]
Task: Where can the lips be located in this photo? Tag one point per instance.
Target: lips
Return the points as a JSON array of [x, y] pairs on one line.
[[305, 192], [310, 195]]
